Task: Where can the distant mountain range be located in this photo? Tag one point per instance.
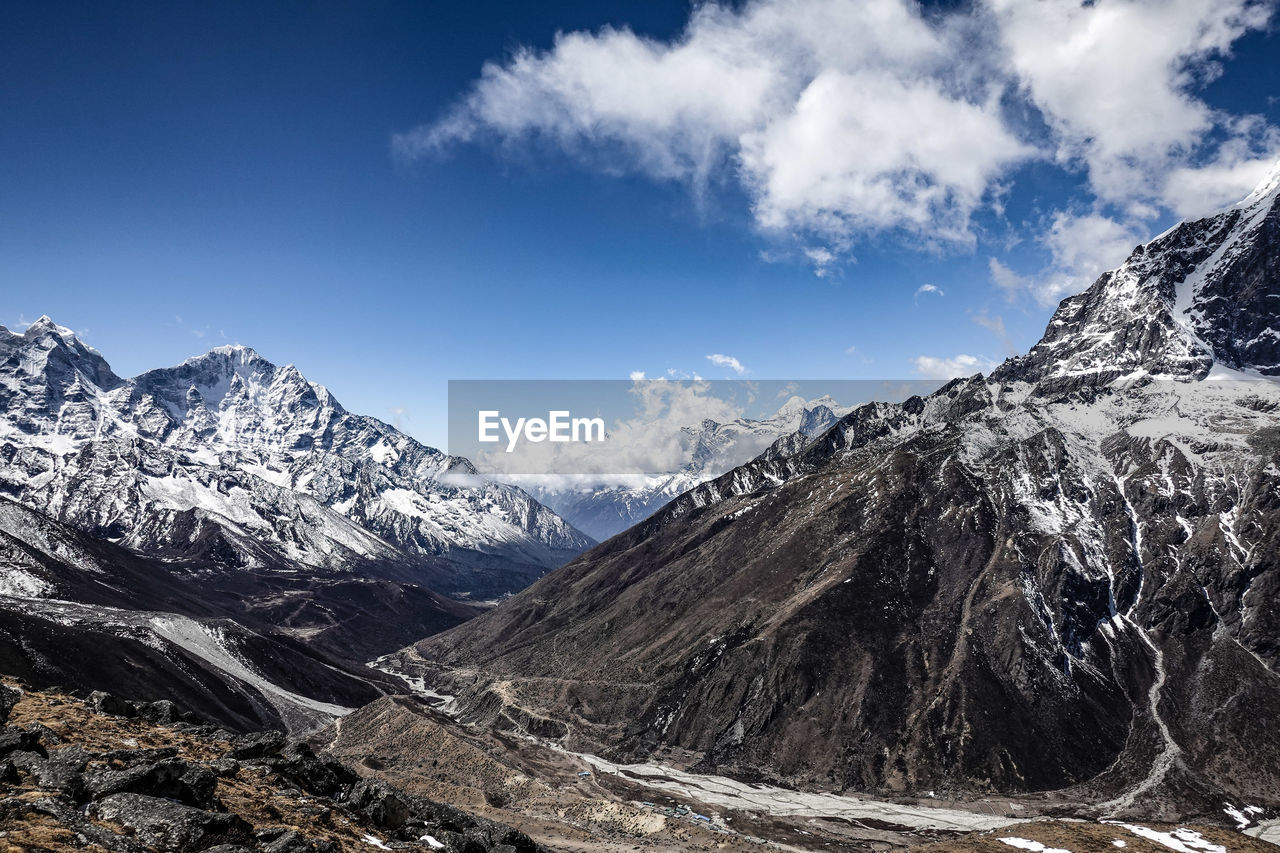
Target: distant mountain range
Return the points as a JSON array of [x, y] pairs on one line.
[[711, 448], [228, 488], [1061, 576]]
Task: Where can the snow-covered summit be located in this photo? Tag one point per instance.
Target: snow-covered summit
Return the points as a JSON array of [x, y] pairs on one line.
[[1203, 295]]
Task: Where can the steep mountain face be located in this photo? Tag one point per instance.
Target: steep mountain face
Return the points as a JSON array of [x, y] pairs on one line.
[[712, 448], [1062, 575], [229, 459], [1205, 294]]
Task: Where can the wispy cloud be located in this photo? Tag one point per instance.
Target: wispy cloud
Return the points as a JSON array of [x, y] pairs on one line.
[[727, 361], [931, 367], [1081, 247], [926, 289], [823, 260], [996, 326]]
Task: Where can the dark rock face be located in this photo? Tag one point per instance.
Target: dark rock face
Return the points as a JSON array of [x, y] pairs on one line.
[[1043, 580], [8, 698], [299, 764]]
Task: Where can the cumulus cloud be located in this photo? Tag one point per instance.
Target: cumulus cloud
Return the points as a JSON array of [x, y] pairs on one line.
[[1115, 80], [727, 361], [837, 116], [636, 375], [1232, 174], [961, 365], [842, 119]]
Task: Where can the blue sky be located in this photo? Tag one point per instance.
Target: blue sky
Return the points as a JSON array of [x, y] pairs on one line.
[[341, 186]]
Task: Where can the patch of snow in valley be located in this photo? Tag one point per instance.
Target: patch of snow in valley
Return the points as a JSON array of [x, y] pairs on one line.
[[725, 793], [721, 792], [1181, 840], [1033, 846]]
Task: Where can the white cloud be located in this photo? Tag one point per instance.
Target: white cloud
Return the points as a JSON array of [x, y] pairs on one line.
[[850, 350], [837, 115], [1115, 79], [822, 260], [867, 151], [949, 368], [928, 288], [1193, 191], [636, 375], [848, 118], [727, 361], [1083, 248]]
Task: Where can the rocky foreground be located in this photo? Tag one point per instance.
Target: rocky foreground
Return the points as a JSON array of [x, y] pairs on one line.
[[104, 774]]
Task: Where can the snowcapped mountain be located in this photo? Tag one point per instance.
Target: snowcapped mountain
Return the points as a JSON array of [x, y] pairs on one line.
[[1199, 300], [223, 533], [711, 448], [229, 458], [1062, 576]]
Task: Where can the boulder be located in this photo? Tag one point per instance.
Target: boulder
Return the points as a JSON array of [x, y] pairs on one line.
[[9, 697], [14, 739], [167, 825], [105, 703], [382, 804], [173, 778], [62, 770], [256, 745], [299, 764]]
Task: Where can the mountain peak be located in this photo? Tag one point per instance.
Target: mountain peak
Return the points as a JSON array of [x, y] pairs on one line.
[[1267, 189], [45, 326], [237, 352], [1197, 299]]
